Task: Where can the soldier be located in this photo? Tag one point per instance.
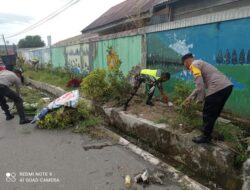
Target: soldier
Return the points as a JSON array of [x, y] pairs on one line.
[[154, 78]]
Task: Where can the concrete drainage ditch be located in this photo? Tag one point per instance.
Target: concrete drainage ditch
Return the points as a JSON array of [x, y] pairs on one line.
[[211, 162]]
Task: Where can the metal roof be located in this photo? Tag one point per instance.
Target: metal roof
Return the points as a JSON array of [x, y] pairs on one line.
[[122, 11]]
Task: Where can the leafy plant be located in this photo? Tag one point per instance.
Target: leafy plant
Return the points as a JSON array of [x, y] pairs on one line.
[[66, 117], [118, 85], [84, 110], [102, 86], [181, 92], [61, 118], [95, 85]]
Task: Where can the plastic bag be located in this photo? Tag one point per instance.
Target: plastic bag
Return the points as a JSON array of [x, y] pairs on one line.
[[69, 99]]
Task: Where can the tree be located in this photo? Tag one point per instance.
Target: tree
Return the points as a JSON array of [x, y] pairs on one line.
[[227, 57], [219, 57], [248, 57], [234, 57], [242, 58], [31, 42]]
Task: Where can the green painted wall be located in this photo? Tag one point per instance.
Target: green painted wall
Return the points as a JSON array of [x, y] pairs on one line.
[[129, 50], [58, 57]]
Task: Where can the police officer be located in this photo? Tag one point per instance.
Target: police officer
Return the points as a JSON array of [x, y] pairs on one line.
[[7, 79], [213, 88], [154, 78]]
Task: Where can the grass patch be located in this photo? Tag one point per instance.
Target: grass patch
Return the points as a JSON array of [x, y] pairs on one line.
[[85, 126], [56, 77], [31, 95]]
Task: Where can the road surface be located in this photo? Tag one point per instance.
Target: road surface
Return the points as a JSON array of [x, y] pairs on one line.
[[36, 159]]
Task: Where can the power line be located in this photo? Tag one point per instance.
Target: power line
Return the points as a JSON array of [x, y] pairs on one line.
[[46, 19]]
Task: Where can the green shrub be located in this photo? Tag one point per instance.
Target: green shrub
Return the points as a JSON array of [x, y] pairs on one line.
[[102, 86], [95, 85], [181, 92], [84, 110], [118, 85]]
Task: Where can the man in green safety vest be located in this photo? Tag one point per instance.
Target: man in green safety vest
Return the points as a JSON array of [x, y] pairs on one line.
[[154, 78]]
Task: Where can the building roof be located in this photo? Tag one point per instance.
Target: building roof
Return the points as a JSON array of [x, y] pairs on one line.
[[125, 10], [68, 41], [74, 40], [122, 11]]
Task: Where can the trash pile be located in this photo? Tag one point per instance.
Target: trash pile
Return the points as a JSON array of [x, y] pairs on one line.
[[145, 178], [64, 112], [69, 100]]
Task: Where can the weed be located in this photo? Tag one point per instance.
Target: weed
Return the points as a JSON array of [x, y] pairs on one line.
[[86, 125], [58, 76], [181, 91]]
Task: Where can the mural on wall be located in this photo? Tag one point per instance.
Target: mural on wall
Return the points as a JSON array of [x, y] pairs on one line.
[[85, 58], [77, 59], [129, 50], [43, 55], [73, 58], [113, 59], [224, 44]]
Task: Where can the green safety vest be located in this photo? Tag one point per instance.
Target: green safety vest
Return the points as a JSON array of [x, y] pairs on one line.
[[153, 73]]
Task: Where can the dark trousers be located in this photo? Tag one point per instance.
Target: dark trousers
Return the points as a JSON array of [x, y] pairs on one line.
[[7, 92], [213, 106], [138, 81]]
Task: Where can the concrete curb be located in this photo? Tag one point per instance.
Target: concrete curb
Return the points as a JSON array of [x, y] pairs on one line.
[[54, 90], [184, 180], [213, 162]]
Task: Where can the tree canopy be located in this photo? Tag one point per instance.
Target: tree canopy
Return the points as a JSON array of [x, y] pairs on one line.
[[31, 42]]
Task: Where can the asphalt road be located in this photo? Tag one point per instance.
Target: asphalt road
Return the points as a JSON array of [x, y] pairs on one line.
[[36, 159]]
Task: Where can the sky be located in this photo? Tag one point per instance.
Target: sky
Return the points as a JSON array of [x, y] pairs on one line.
[[17, 15]]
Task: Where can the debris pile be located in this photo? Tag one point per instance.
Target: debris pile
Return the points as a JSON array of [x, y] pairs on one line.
[[145, 178]]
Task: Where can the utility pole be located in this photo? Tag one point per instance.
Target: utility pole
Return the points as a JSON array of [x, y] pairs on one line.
[[5, 45]]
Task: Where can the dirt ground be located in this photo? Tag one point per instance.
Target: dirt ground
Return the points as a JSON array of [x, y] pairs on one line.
[[156, 113], [162, 113]]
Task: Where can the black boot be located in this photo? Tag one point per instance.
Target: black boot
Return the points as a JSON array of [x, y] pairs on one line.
[[202, 139], [24, 121], [9, 117], [149, 103], [125, 107]]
